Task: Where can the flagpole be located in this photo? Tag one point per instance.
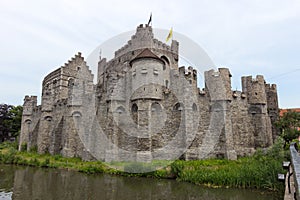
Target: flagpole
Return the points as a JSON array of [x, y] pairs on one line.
[[150, 20]]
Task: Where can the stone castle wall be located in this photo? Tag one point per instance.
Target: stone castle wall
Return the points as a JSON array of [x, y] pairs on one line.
[[145, 108]]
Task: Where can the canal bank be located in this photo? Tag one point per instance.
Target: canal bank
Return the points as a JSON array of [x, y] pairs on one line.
[[256, 172], [26, 183]]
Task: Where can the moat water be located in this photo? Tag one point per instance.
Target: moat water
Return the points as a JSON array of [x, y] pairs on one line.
[[27, 183]]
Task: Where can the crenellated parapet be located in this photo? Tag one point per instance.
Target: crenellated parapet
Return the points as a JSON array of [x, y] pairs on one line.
[[273, 109], [144, 38], [272, 98], [190, 74], [254, 88], [30, 103], [218, 84]]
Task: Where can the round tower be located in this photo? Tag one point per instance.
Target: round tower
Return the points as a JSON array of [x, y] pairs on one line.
[[147, 76]]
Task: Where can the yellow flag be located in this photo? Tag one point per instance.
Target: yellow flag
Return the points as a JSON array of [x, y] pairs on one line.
[[170, 35]]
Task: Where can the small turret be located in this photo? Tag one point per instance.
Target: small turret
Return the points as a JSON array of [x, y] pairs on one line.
[[218, 84], [190, 75], [273, 110], [272, 98], [30, 102], [254, 89]]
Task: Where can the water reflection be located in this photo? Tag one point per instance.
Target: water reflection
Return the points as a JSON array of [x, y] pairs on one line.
[[36, 183]]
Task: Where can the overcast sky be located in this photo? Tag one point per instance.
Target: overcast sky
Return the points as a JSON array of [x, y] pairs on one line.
[[249, 37]]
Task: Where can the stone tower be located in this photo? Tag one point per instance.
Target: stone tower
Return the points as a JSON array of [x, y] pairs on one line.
[[257, 99], [218, 84], [273, 110], [28, 134]]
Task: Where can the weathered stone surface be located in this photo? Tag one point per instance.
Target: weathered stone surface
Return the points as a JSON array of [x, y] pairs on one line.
[[144, 107]]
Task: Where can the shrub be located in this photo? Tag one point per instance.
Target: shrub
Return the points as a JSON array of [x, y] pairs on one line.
[[24, 147], [91, 169], [33, 162], [33, 149], [57, 157], [45, 163]]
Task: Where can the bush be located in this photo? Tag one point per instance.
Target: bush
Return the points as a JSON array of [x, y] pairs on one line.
[[34, 162], [7, 144], [57, 157], [24, 147], [9, 156], [33, 149], [45, 163], [91, 169]]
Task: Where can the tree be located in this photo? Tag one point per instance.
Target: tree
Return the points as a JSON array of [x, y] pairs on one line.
[[10, 121], [15, 115], [289, 126]]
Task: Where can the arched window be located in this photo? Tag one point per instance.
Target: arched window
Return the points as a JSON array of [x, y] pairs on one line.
[[134, 108], [178, 107], [167, 83], [216, 107], [70, 82], [48, 118], [156, 107], [120, 110], [76, 114], [166, 61], [28, 121]]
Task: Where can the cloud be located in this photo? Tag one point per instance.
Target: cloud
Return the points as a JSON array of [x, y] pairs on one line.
[[249, 37]]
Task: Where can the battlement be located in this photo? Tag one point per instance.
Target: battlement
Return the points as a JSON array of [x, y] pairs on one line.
[[30, 98], [219, 81], [238, 95], [144, 38], [258, 78], [30, 103], [271, 87], [190, 73], [220, 72], [254, 88]]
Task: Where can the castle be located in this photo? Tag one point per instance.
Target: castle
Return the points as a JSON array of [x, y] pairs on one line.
[[144, 107]]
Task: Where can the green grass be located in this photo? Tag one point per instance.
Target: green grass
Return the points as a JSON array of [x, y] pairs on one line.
[[257, 171], [245, 172]]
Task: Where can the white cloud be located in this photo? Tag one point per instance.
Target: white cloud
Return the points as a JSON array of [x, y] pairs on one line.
[[250, 37]]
